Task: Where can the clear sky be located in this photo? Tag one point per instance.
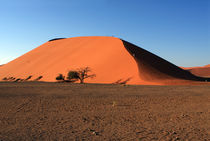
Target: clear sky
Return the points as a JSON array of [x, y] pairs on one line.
[[176, 30]]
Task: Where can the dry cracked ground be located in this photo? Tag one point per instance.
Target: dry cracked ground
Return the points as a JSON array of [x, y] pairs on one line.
[[62, 111]]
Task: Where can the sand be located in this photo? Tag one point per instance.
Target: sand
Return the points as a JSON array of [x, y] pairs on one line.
[[153, 68], [110, 59], [200, 71], [63, 111], [106, 56], [207, 65]]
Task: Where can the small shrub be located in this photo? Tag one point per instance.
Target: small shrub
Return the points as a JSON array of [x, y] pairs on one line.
[[38, 78], [73, 76], [17, 80], [5, 78], [29, 77], [60, 77], [121, 81]]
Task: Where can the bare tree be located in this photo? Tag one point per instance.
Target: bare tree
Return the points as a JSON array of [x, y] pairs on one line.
[[83, 73]]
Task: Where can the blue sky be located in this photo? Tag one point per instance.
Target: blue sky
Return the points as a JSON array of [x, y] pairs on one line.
[[176, 30]]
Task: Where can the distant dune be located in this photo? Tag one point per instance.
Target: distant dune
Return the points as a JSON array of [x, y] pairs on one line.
[[200, 71], [207, 65], [110, 58]]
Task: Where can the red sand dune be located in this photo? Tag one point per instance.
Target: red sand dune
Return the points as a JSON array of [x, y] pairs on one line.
[[200, 71], [109, 58], [207, 65]]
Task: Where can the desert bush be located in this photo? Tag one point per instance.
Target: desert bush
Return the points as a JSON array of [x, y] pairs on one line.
[[29, 77], [5, 78], [121, 81], [18, 80], [38, 78], [60, 77], [8, 78], [72, 76]]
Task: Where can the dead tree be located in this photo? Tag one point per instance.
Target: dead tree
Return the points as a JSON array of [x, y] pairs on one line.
[[83, 74]]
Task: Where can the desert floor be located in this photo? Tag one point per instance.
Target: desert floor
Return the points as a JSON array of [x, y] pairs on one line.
[[62, 111]]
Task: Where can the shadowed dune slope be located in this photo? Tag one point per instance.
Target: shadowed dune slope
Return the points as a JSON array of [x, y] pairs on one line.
[[154, 68], [110, 58], [203, 71]]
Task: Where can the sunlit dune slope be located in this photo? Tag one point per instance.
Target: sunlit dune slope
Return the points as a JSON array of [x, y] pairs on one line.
[[106, 56], [110, 58], [207, 65]]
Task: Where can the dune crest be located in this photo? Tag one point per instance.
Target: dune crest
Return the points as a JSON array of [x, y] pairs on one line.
[[110, 58]]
